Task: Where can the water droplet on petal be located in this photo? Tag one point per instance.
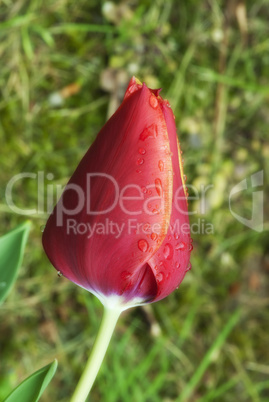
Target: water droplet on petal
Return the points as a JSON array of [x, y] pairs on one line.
[[144, 190], [149, 132], [59, 273], [161, 165], [180, 246], [176, 236], [42, 228], [190, 247], [159, 277], [188, 267], [138, 171], [177, 264], [168, 251], [154, 236], [153, 101], [165, 101], [158, 186], [184, 177], [142, 151], [143, 245], [140, 161]]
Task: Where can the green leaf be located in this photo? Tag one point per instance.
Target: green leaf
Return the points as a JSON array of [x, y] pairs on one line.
[[31, 389], [12, 247]]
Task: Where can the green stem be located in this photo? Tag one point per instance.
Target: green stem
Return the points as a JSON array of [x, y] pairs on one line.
[[100, 346]]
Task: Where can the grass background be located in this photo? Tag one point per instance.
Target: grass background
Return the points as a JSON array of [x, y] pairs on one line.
[[64, 67]]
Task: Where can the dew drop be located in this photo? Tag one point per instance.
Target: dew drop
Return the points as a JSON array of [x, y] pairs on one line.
[[149, 132], [138, 171], [153, 101], [159, 277], [180, 246], [140, 161], [161, 165], [177, 264], [190, 247], [176, 236], [188, 267], [143, 245], [168, 251], [144, 190], [154, 236], [42, 228], [155, 211], [169, 237], [167, 103], [142, 151], [158, 186], [59, 273]]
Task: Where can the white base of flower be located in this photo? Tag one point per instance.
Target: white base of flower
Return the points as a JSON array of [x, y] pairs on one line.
[[116, 302]]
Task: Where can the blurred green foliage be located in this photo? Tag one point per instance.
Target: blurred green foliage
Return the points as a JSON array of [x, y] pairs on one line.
[[64, 68]]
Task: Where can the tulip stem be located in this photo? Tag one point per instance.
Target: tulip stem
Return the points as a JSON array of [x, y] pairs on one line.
[[100, 346]]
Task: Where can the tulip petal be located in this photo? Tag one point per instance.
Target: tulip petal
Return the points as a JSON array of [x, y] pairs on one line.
[[171, 262], [126, 176]]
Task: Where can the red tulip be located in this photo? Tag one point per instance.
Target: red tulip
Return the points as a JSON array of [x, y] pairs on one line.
[[121, 227]]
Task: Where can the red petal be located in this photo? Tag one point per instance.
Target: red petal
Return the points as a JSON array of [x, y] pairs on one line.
[[132, 148], [172, 260]]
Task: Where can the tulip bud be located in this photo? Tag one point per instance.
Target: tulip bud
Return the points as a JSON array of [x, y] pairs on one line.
[[121, 227]]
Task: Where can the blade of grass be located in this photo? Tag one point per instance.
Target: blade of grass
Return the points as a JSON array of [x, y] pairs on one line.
[[73, 27], [217, 393], [209, 75], [190, 387], [177, 88]]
